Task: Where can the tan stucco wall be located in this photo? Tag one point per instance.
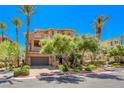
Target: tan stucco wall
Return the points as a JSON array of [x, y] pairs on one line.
[[39, 34]]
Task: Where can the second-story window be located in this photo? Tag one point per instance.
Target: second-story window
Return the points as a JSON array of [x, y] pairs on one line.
[[111, 43], [52, 33], [36, 43], [69, 34]]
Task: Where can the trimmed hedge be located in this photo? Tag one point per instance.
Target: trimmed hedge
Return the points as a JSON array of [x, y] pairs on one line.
[[22, 71]]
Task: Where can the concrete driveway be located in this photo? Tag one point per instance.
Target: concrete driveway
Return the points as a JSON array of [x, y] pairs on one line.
[[115, 79], [36, 70], [110, 80]]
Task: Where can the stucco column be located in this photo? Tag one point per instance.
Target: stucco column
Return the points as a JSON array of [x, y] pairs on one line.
[[50, 61], [29, 60]]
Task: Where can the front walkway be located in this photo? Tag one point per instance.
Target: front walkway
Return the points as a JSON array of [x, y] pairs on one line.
[[37, 70]]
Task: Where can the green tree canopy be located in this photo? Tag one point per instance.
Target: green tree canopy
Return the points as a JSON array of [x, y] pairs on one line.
[[116, 52], [8, 52], [59, 46], [76, 46]]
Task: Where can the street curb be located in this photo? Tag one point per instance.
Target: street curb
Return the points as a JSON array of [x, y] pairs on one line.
[[24, 77], [55, 75]]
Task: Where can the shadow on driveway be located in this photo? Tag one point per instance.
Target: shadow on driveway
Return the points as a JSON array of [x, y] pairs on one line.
[[8, 79], [62, 79], [104, 76]]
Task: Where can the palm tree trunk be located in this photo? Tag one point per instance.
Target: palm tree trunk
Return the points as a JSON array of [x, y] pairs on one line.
[[98, 33], [17, 35], [2, 35], [27, 39], [121, 40], [17, 45]]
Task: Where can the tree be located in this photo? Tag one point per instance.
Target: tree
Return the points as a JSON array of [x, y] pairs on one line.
[[116, 52], [59, 46], [9, 53], [3, 27], [75, 54], [17, 22], [27, 10], [95, 51], [70, 49], [88, 43], [98, 24]]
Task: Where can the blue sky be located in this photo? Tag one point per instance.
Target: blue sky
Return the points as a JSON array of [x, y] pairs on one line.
[[78, 17]]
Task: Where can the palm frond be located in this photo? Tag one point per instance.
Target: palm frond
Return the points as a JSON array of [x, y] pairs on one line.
[[27, 9], [107, 18], [3, 25], [16, 21]]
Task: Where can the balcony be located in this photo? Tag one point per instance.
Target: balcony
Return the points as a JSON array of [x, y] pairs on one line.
[[35, 49]]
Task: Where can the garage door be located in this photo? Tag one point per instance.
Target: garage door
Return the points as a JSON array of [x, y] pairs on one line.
[[39, 61]]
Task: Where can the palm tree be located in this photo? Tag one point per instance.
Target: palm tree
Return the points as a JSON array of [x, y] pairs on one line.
[[27, 10], [121, 38], [17, 22], [3, 27], [98, 24]]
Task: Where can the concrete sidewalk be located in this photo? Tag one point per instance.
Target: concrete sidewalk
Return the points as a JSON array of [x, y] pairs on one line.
[[37, 70]]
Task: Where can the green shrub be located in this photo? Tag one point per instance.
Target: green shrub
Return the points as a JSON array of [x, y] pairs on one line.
[[17, 72], [26, 67], [22, 71], [22, 64], [112, 62], [63, 68], [12, 67], [99, 63], [89, 67], [2, 65], [25, 72], [99, 69], [115, 65], [77, 68], [88, 63]]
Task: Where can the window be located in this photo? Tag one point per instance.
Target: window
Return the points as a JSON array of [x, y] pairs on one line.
[[111, 43], [36, 43], [69, 34], [117, 42], [52, 33]]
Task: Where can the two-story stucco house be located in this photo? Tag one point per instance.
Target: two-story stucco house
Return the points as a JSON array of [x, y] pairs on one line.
[[111, 42], [35, 57]]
